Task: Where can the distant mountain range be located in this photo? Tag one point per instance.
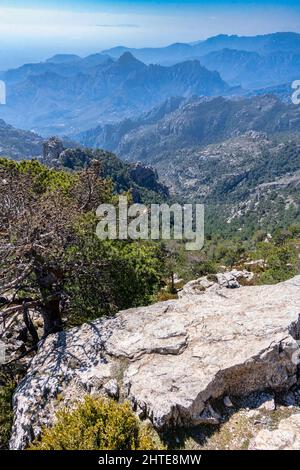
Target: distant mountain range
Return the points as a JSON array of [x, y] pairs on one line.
[[247, 182], [283, 92], [141, 180], [67, 94], [182, 124], [252, 70], [263, 44], [211, 150], [252, 62], [19, 144]]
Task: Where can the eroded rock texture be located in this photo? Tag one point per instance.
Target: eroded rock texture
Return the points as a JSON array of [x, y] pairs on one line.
[[171, 359]]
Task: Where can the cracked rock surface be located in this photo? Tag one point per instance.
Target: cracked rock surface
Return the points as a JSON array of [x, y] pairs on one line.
[[171, 359]]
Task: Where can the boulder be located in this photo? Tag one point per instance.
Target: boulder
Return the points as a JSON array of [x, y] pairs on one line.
[[172, 360], [112, 388], [229, 279]]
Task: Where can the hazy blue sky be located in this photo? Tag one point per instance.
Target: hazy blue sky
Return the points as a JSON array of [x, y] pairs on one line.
[[35, 28]]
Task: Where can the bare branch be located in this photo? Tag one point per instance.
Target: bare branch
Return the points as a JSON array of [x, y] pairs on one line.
[[16, 281], [18, 308]]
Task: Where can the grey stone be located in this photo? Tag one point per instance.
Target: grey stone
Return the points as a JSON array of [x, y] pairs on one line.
[[285, 437], [171, 359], [112, 388], [227, 402]]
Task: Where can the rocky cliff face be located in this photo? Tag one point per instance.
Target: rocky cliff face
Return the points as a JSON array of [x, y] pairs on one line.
[[52, 149], [238, 157], [172, 360], [18, 144], [142, 180], [193, 124]]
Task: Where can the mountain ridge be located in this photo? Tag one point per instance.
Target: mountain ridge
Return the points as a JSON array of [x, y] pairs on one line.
[[47, 97], [284, 41], [241, 157], [194, 122]]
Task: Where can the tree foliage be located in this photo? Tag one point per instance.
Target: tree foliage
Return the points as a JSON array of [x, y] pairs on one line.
[[7, 386]]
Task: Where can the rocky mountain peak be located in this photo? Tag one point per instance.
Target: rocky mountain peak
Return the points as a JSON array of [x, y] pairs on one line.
[[128, 59], [63, 58]]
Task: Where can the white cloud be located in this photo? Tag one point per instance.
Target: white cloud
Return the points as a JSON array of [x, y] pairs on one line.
[[117, 25], [55, 24]]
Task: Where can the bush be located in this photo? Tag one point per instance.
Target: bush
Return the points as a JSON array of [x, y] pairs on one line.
[[207, 268], [7, 387], [280, 261], [164, 296], [111, 276], [97, 424]]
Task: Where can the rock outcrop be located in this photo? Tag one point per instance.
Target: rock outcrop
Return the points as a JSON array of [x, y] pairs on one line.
[[147, 177], [232, 280], [171, 359], [52, 149]]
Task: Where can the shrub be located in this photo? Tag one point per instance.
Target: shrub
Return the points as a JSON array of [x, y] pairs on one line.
[[164, 296], [111, 276], [97, 424], [7, 387], [280, 260]]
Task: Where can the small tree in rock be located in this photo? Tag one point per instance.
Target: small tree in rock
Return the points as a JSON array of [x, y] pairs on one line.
[[39, 210]]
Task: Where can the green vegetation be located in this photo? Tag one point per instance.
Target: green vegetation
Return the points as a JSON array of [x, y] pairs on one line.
[[277, 252], [280, 262], [143, 185], [42, 178], [97, 424], [75, 277], [7, 386], [111, 276]]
